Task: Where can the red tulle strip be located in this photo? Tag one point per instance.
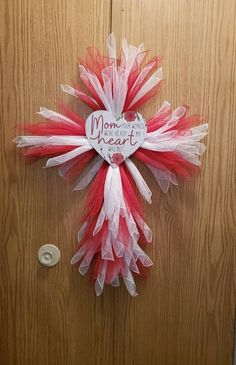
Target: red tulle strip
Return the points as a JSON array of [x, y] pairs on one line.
[[46, 151], [95, 62], [144, 99], [50, 128], [157, 121], [87, 99], [187, 122], [98, 103], [182, 126], [96, 194], [80, 162], [132, 92], [136, 68], [131, 199], [72, 115], [129, 191], [170, 160], [137, 64]]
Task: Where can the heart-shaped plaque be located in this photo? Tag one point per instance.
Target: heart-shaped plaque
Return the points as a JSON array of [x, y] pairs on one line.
[[115, 139]]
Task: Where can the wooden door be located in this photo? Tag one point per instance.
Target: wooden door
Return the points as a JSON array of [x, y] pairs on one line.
[[184, 314]]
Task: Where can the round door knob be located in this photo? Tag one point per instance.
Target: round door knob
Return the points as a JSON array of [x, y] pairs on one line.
[[49, 255]]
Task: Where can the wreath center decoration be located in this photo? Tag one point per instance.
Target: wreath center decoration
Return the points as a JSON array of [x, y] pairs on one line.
[[113, 232], [115, 139]]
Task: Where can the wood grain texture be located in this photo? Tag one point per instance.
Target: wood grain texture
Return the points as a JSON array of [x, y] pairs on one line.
[[184, 313]]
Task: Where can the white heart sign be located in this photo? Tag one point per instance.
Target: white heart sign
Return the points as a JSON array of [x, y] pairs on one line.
[[115, 139]]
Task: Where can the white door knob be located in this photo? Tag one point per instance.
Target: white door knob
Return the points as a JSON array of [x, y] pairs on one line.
[[49, 255]]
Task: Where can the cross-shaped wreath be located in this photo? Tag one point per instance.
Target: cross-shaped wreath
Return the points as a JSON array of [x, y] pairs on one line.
[[113, 228]]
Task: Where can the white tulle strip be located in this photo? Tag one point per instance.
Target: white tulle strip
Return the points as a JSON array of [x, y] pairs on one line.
[[79, 254], [92, 78], [154, 80], [82, 231], [144, 228], [107, 76], [56, 117], [99, 283], [111, 45], [120, 86], [165, 107], [69, 90], [115, 282], [139, 181], [129, 281], [144, 72], [65, 168], [90, 174], [130, 52], [113, 201], [113, 242], [55, 161], [171, 121], [30, 141], [72, 91], [187, 145], [164, 177]]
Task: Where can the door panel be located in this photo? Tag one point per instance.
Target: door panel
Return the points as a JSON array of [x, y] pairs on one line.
[[184, 313]]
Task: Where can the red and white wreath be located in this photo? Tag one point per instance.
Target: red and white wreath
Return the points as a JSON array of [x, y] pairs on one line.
[[98, 151]]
